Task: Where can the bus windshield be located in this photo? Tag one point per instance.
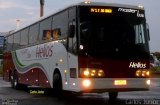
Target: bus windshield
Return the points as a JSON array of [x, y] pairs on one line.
[[113, 36]]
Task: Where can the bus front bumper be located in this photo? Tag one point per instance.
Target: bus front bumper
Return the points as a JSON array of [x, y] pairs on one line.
[[109, 84]]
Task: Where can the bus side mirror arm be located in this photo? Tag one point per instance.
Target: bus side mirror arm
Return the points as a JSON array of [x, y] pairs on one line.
[[71, 31], [148, 33]]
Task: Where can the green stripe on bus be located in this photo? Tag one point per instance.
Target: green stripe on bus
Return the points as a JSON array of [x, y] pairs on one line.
[[17, 60]]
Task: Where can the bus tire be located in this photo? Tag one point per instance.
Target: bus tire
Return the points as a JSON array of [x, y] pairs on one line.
[[10, 72], [113, 96], [14, 80], [57, 85]]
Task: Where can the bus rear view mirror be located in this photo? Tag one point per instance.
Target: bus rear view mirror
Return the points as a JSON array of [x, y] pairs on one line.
[[71, 31]]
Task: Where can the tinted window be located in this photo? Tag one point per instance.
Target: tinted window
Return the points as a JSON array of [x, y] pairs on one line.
[[24, 37], [33, 33], [16, 44], [10, 42], [45, 27], [60, 25]]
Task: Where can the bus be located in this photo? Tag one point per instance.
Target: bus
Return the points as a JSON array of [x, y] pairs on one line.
[[84, 48]]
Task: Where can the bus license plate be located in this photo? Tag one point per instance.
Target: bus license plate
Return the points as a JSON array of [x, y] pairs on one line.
[[120, 82]]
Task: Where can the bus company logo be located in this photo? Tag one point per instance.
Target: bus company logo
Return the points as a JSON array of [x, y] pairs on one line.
[[44, 51], [140, 15], [127, 10], [137, 65], [131, 11]]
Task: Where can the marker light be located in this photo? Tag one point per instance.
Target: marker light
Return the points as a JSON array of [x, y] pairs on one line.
[[87, 2], [89, 72], [140, 6], [66, 83], [100, 73], [65, 71], [148, 73], [138, 73], [74, 84], [61, 60], [93, 73], [142, 73], [86, 73], [81, 47], [86, 83]]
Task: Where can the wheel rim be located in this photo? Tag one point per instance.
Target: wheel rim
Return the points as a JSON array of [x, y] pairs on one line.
[[15, 83]]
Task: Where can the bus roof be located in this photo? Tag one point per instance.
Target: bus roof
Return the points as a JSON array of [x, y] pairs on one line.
[[80, 4], [110, 4]]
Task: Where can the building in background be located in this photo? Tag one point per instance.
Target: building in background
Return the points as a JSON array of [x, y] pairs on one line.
[[2, 34], [154, 62]]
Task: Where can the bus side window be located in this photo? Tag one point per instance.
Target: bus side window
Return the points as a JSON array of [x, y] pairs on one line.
[[24, 37], [45, 28], [60, 27], [56, 33], [10, 42], [33, 34], [72, 41], [17, 38], [47, 35]]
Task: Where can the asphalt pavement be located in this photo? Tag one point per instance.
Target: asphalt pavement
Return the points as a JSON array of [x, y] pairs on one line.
[[11, 96]]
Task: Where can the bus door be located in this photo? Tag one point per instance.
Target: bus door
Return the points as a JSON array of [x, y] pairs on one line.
[[72, 46]]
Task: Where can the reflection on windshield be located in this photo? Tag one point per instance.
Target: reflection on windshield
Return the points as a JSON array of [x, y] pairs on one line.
[[102, 35]]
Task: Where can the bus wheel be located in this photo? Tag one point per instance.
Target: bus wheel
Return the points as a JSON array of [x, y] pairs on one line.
[[113, 96], [14, 80], [57, 85]]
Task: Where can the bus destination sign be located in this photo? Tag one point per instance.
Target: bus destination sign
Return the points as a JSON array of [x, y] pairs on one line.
[[100, 10], [108, 10]]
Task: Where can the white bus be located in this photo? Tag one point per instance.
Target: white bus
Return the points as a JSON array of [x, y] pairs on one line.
[[88, 47]]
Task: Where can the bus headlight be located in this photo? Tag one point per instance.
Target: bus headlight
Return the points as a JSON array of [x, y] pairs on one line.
[[89, 72], [148, 82], [86, 83], [142, 73]]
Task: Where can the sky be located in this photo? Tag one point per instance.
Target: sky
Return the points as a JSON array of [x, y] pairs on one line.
[[27, 11]]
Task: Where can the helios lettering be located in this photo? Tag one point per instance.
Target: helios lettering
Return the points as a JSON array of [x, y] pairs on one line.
[[137, 65], [44, 51]]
